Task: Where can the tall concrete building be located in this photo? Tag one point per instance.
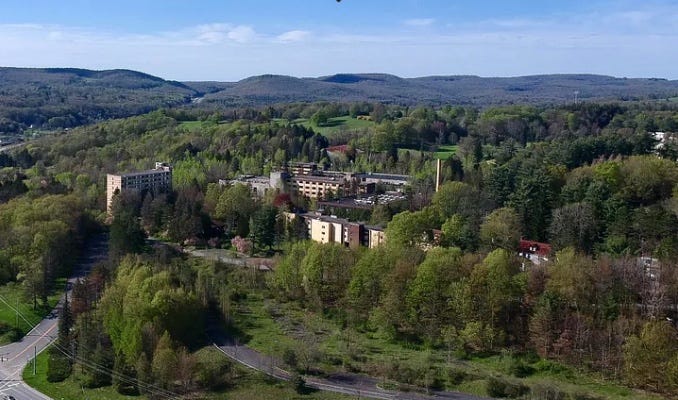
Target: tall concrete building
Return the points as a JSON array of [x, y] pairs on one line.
[[155, 180]]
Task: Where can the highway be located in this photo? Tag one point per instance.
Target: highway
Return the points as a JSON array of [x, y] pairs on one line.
[[16, 356]]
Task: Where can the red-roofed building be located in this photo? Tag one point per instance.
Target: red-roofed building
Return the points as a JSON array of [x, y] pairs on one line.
[[534, 251], [342, 148]]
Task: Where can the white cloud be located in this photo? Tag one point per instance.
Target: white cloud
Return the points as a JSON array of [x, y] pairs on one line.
[[623, 43], [420, 22], [242, 34], [293, 36]]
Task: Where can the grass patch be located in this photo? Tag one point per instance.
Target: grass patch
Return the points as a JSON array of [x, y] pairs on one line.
[[68, 389], [12, 294], [253, 316], [337, 124], [445, 151], [414, 154], [193, 125]]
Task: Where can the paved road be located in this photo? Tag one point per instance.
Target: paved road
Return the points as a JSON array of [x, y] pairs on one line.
[[11, 146], [351, 384], [15, 356], [227, 257]]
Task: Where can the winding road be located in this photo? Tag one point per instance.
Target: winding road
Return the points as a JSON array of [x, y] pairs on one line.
[[14, 357]]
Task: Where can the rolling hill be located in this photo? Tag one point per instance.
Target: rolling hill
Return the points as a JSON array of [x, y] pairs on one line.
[[465, 90], [57, 98]]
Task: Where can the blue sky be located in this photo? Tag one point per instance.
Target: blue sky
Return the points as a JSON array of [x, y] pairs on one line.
[[229, 40]]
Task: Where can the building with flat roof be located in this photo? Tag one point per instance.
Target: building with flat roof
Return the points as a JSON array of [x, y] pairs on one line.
[[258, 185], [320, 186], [391, 181], [331, 229], [156, 180]]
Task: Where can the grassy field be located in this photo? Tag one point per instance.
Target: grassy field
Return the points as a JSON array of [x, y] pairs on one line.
[[11, 295], [272, 327], [68, 389], [191, 125], [414, 154], [337, 124], [249, 385], [446, 151]]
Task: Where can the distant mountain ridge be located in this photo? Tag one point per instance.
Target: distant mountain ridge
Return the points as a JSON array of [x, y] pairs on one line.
[[56, 98], [453, 89]]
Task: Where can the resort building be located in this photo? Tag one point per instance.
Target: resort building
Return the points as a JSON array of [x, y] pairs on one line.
[[156, 180]]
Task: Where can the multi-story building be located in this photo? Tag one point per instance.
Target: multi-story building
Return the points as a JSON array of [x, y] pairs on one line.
[[374, 236], [155, 180], [330, 229], [320, 186], [302, 168]]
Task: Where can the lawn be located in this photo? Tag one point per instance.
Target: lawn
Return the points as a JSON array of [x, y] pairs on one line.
[[337, 124], [68, 389], [414, 154], [194, 125], [445, 151], [11, 294]]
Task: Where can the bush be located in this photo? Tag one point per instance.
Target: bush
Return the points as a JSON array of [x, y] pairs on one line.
[[298, 383], [456, 376], [212, 369], [547, 392], [289, 357], [58, 366], [520, 369], [549, 367], [585, 396], [500, 388]]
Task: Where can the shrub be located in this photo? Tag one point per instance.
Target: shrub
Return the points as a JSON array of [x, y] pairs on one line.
[[456, 376], [58, 366], [212, 369], [520, 369], [549, 367], [298, 383], [547, 392], [585, 396], [289, 357], [501, 388]]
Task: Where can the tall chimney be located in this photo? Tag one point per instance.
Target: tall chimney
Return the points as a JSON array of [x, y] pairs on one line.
[[439, 165]]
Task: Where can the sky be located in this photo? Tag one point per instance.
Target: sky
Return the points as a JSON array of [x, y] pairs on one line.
[[229, 40]]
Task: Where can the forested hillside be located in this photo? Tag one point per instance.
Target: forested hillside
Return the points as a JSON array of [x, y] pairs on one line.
[[57, 98], [439, 90]]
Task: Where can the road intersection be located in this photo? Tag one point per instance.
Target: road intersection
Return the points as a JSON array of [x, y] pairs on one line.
[[16, 356]]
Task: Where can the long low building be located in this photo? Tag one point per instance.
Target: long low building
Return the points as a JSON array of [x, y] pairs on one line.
[[393, 181], [307, 180]]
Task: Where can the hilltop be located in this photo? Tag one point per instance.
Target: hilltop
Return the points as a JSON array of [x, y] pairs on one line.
[[55, 98]]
